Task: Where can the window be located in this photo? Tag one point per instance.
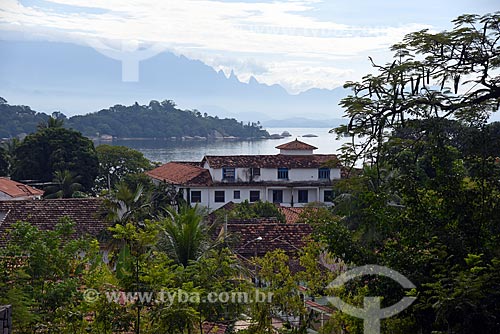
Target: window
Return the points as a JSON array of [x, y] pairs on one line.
[[328, 195], [303, 196], [228, 173], [324, 173], [277, 196], [219, 196], [236, 194], [254, 195], [195, 196], [255, 171], [283, 173]]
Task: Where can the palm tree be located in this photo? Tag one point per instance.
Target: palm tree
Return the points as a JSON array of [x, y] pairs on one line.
[[10, 152], [124, 203], [51, 123], [185, 236], [65, 185]]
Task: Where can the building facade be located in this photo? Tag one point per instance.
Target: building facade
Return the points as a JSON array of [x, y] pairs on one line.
[[294, 177]]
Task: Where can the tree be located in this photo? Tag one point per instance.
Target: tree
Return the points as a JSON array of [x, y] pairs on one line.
[[52, 122], [9, 150], [185, 237], [432, 76], [65, 185], [52, 149], [117, 162], [4, 162], [247, 210], [41, 277], [426, 201]]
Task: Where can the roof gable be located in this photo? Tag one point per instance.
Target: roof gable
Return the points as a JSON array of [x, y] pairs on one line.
[[16, 189], [181, 174], [296, 145]]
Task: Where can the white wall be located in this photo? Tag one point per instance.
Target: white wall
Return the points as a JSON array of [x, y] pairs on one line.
[[315, 194], [271, 174], [296, 152]]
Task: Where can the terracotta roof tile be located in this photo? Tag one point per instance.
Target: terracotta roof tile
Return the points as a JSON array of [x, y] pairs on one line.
[[87, 213], [214, 328], [270, 161], [296, 145], [288, 237], [182, 174], [291, 214], [16, 189]]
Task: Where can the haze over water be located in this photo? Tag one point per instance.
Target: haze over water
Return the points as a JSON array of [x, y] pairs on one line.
[[165, 151]]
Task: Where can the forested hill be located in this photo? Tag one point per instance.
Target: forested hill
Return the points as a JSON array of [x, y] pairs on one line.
[[156, 120]]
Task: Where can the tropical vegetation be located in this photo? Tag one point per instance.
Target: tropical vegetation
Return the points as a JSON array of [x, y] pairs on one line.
[[155, 120]]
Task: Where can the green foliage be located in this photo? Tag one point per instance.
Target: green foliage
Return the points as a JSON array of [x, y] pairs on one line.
[[4, 162], [117, 162], [40, 276], [53, 149], [185, 237], [159, 120], [274, 270], [156, 120], [426, 202], [65, 185], [52, 122], [17, 120], [247, 210]]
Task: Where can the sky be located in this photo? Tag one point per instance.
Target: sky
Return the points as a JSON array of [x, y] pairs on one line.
[[299, 44]]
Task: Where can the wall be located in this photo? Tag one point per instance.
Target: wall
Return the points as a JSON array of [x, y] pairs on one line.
[[266, 194], [5, 319], [271, 174]]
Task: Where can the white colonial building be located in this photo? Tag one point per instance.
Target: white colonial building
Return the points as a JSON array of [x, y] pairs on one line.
[[294, 177]]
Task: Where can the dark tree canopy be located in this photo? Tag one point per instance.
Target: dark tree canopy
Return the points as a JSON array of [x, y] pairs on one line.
[[4, 162], [159, 120], [116, 162], [53, 149], [448, 74], [427, 197], [156, 120]]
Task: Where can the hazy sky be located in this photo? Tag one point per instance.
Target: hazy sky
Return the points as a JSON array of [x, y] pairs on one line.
[[298, 44]]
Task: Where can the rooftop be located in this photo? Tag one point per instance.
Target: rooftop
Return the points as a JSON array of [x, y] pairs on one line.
[[292, 214], [270, 161], [16, 189], [86, 213], [296, 145], [288, 237], [182, 173]]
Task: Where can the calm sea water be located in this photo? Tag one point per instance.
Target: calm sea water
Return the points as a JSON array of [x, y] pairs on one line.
[[164, 150]]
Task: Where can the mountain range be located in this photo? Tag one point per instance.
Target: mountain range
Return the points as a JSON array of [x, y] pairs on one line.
[[76, 79]]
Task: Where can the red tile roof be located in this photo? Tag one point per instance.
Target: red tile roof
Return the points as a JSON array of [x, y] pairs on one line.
[[288, 237], [214, 328], [296, 145], [182, 174], [16, 189], [291, 214], [270, 161], [87, 213]]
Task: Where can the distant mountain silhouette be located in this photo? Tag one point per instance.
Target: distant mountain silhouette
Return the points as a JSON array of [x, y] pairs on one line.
[[301, 122], [75, 79]]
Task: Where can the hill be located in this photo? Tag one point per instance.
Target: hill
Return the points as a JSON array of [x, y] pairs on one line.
[[156, 120]]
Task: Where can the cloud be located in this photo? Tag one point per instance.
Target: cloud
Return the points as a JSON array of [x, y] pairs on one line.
[[277, 42]]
